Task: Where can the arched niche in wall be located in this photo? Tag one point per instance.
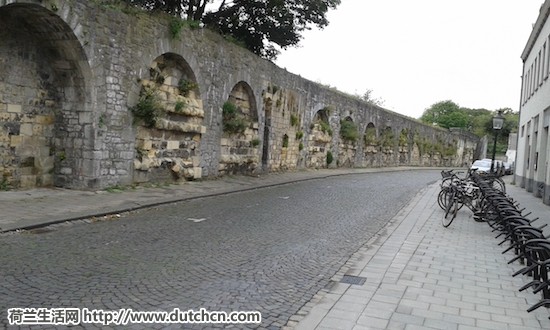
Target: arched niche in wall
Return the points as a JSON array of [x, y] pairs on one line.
[[387, 140], [320, 138], [349, 135], [404, 143], [46, 118], [240, 142], [370, 138], [169, 117]]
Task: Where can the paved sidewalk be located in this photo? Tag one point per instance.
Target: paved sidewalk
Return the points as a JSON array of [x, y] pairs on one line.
[[420, 275]]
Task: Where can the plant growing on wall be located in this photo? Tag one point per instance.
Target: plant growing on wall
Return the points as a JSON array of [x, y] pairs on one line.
[[175, 27], [293, 120], [450, 150], [179, 106], [403, 138], [233, 120], [185, 86], [4, 183], [370, 136], [147, 110], [348, 130], [387, 138], [285, 141], [255, 142], [425, 147], [325, 127], [330, 158]]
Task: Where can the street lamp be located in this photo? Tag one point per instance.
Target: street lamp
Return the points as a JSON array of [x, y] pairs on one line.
[[498, 122]]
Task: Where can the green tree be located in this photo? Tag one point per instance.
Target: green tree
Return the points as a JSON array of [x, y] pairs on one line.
[[448, 114], [445, 114], [261, 25], [511, 122]]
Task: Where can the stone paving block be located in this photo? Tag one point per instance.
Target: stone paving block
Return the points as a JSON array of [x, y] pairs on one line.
[[431, 300], [408, 283], [439, 324], [427, 314], [337, 323], [460, 320], [475, 314], [349, 315], [414, 304], [374, 322], [385, 298], [444, 309], [394, 325], [466, 327], [506, 319], [346, 306], [490, 324], [402, 309], [377, 312]]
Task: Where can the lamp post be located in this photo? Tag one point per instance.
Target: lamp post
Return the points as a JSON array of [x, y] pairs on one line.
[[498, 122]]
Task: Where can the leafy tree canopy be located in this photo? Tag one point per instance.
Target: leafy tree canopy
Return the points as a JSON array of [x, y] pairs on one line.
[[448, 114], [261, 25]]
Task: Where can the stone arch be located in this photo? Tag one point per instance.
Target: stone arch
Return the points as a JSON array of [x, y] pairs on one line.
[[349, 135], [387, 139], [169, 117], [320, 138], [240, 142], [370, 137], [388, 142], [404, 146], [243, 96], [46, 114]]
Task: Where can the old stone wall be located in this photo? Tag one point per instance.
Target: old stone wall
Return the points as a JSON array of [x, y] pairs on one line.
[[95, 94]]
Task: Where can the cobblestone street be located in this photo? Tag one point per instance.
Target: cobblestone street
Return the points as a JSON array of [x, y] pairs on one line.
[[269, 249]]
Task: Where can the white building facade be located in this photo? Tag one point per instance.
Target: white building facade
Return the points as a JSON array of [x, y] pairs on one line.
[[533, 149]]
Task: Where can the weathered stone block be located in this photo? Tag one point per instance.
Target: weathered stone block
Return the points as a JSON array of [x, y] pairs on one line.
[[84, 118], [197, 173], [196, 161], [25, 130], [15, 140], [15, 108], [45, 180], [171, 145], [27, 181]]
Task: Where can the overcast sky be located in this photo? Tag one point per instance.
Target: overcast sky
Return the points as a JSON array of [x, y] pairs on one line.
[[413, 54]]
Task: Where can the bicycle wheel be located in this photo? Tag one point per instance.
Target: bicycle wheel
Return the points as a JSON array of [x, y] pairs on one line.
[[451, 208], [498, 184], [441, 200]]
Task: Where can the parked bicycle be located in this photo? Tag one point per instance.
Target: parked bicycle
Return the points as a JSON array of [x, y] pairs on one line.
[[454, 195]]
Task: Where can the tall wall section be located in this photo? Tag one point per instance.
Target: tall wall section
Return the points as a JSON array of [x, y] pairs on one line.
[[94, 95]]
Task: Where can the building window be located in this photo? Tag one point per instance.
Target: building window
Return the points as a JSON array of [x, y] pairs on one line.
[[522, 130], [526, 84], [544, 62], [532, 80], [539, 69]]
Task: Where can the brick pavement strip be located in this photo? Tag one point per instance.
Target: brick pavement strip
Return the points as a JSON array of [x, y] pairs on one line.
[[421, 275]]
